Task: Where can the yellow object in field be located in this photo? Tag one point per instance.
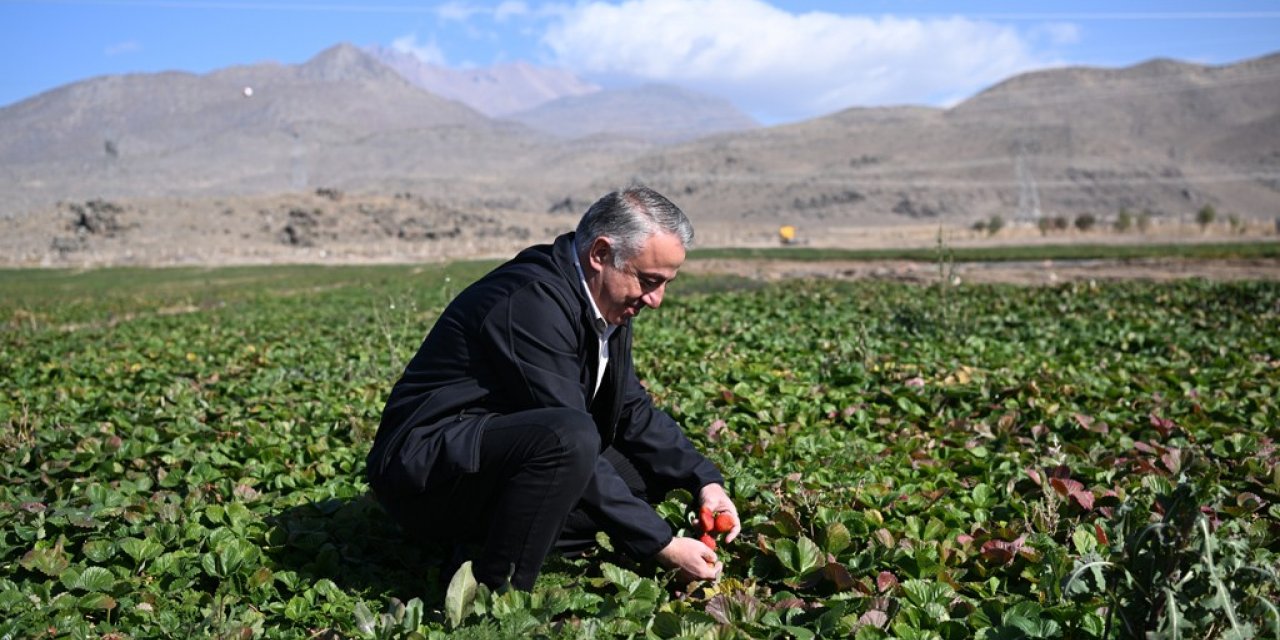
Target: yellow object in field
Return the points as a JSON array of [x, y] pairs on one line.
[[787, 234]]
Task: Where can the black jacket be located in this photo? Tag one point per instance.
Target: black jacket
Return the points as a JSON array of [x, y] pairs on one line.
[[521, 338]]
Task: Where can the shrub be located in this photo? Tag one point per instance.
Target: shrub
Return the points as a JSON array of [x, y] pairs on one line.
[[1144, 220], [1205, 217], [1124, 220], [994, 225]]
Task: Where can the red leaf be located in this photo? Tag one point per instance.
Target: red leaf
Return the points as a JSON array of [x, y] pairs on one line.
[[838, 575], [1162, 425], [1144, 447], [713, 431], [1065, 486], [886, 581], [884, 537], [1088, 424], [997, 551], [1084, 499], [1100, 534]]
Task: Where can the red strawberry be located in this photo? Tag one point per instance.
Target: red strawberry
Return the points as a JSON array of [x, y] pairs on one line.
[[707, 519], [709, 541], [724, 522]]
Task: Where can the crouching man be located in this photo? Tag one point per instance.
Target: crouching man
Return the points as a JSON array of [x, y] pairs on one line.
[[520, 426]]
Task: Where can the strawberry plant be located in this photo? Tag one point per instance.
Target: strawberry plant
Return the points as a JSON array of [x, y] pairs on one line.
[[183, 456]]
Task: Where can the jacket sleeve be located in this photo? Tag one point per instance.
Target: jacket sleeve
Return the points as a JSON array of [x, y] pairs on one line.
[[631, 523], [654, 442]]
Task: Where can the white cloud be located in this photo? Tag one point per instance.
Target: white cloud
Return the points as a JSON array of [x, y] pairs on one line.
[[428, 52], [1059, 32], [510, 8], [779, 65], [121, 48], [456, 10]]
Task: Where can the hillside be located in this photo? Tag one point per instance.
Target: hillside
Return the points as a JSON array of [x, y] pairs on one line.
[[654, 113], [170, 150]]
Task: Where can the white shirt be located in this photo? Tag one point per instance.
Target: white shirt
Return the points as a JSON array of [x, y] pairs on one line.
[[602, 328]]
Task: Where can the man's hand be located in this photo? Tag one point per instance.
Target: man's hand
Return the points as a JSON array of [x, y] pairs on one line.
[[692, 558], [713, 497]]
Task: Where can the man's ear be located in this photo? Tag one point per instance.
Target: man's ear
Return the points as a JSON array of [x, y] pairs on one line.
[[600, 253]]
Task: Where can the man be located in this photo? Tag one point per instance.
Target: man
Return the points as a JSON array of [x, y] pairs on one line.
[[520, 425]]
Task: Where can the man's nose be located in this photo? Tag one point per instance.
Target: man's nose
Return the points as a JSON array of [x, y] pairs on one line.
[[653, 299]]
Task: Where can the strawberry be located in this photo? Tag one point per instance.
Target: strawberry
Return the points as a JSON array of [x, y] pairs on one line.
[[707, 519], [724, 522], [709, 541]]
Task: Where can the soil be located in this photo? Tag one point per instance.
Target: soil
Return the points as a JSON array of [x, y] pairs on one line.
[[1046, 272], [328, 227]]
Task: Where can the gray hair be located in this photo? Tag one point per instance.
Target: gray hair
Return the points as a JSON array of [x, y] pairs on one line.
[[629, 218]]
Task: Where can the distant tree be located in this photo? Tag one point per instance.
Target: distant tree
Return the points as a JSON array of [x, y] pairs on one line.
[[1085, 221], [1237, 225], [980, 226], [1061, 223], [1124, 220], [1144, 220], [994, 225], [1205, 217], [1045, 225]]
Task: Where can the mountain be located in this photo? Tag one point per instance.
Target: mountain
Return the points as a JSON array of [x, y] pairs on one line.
[[1163, 136], [556, 102], [336, 118], [654, 112], [495, 91]]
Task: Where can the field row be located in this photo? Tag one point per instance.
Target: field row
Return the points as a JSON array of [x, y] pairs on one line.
[[182, 454]]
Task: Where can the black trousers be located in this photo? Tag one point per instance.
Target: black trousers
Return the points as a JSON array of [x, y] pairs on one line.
[[523, 501]]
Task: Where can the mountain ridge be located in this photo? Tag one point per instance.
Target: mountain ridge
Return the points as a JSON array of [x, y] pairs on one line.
[[1162, 136]]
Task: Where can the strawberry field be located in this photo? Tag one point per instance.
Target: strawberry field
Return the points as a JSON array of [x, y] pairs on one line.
[[182, 456]]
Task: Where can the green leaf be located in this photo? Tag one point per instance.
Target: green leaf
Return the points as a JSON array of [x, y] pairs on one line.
[[96, 601], [296, 609], [809, 555], [666, 625], [98, 550], [626, 581], [140, 550], [366, 622], [93, 579], [460, 595], [1084, 539], [836, 538], [922, 592], [49, 561], [233, 554]]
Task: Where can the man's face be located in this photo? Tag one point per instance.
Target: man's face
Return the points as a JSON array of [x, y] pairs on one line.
[[641, 282]]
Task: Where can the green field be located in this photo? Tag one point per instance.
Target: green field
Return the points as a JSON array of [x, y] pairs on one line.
[[182, 453]]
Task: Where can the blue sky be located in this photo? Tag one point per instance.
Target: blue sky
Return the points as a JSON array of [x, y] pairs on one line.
[[779, 60]]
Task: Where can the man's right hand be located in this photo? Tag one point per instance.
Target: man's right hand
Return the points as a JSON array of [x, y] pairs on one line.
[[694, 560]]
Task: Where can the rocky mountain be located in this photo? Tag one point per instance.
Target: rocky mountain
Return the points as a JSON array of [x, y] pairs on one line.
[[655, 113], [1163, 136], [556, 102], [495, 91], [341, 119]]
